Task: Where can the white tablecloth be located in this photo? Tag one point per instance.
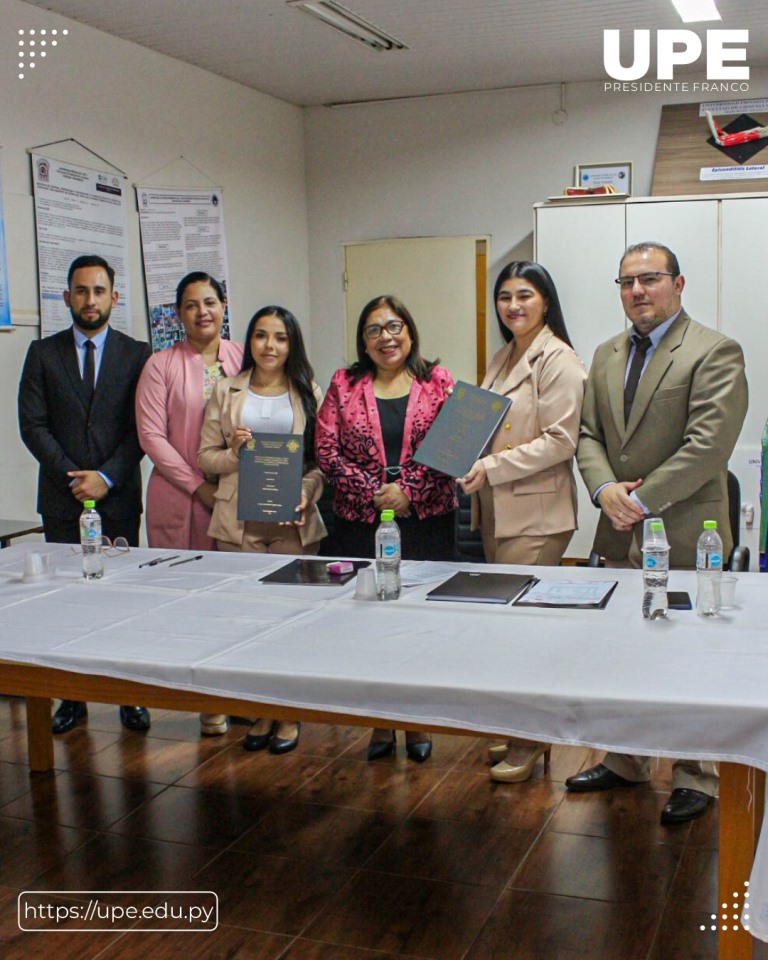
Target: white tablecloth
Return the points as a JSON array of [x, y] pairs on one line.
[[683, 687]]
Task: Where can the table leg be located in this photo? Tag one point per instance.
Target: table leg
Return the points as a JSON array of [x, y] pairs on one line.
[[741, 815], [39, 735]]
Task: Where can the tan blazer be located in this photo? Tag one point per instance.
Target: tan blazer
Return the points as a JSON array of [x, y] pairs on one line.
[[530, 463], [222, 415], [686, 417]]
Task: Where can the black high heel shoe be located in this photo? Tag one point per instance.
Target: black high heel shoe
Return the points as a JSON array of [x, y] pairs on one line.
[[419, 750], [377, 748], [258, 741], [285, 744]]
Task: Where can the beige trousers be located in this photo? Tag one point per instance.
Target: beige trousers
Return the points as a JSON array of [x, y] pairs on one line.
[[545, 551], [269, 538]]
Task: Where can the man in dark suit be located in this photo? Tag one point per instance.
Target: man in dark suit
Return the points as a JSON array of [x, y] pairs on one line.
[[664, 406], [76, 416]]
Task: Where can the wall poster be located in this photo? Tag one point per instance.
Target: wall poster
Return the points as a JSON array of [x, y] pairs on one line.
[[182, 230], [78, 211]]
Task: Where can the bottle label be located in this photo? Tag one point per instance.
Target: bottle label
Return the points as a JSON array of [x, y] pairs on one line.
[[650, 563], [389, 550], [711, 561]]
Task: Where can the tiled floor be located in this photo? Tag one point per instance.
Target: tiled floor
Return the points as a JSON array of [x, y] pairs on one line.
[[319, 855]]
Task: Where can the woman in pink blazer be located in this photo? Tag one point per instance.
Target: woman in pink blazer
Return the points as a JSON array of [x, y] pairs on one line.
[[171, 395], [524, 492], [374, 416]]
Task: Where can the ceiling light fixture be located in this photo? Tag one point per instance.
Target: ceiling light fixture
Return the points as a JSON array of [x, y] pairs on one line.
[[696, 11], [345, 21]]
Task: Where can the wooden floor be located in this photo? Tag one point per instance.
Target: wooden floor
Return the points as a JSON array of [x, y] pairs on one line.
[[319, 855]]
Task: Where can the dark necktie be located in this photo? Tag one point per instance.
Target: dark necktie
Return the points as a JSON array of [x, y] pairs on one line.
[[89, 370], [633, 377]]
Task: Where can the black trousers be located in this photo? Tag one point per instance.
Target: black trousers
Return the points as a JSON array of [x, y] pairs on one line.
[[428, 539], [63, 530], [60, 530]]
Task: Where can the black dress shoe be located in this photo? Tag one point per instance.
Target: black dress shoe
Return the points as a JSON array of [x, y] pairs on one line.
[[68, 715], [685, 804], [257, 741], [134, 718], [597, 778], [285, 744], [419, 751], [378, 749]]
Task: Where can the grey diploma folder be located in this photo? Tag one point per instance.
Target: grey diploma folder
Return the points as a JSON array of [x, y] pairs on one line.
[[270, 471], [461, 431]]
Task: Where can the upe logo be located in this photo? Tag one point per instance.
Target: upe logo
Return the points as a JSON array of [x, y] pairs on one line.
[[677, 48]]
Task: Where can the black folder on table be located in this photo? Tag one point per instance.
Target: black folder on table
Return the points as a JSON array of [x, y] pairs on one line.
[[312, 573], [461, 431], [482, 587]]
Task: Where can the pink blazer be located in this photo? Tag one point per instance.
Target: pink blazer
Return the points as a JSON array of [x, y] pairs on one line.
[[350, 447], [169, 417]]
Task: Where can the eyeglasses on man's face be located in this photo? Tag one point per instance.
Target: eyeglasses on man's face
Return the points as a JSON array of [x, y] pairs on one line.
[[646, 280], [375, 330]]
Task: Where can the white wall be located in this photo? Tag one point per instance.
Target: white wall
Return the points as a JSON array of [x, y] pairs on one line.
[[141, 110]]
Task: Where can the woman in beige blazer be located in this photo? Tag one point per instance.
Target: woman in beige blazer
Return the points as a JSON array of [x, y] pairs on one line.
[[274, 393], [524, 492]]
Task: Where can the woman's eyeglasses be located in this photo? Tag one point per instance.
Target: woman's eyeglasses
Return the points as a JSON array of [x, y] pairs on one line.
[[375, 330]]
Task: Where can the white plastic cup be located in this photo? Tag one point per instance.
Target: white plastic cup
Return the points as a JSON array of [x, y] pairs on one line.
[[365, 587], [34, 568], [728, 591]]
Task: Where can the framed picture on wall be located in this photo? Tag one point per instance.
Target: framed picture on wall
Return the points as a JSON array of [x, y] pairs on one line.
[[617, 175]]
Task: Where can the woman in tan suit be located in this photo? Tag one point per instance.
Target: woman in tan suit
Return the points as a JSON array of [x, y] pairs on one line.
[[524, 492], [274, 393]]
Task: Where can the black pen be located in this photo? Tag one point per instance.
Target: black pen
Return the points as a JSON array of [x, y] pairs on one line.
[[188, 560], [154, 563]]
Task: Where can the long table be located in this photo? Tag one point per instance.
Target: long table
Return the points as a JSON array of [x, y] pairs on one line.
[[209, 636]]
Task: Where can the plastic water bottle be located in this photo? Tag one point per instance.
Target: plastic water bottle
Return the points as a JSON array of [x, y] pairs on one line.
[[90, 540], [655, 570], [709, 570], [388, 557]]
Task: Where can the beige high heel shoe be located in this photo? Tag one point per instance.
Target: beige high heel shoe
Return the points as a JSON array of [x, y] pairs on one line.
[[506, 773], [499, 752], [213, 724]]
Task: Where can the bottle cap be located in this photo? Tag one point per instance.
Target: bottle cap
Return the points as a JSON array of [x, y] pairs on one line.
[[710, 524], [656, 526], [387, 515], [89, 504]]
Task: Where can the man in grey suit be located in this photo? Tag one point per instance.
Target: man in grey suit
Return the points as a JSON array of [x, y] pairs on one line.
[[663, 409], [76, 416]]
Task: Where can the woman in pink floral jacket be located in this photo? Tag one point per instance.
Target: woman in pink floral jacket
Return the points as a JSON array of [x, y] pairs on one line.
[[373, 418]]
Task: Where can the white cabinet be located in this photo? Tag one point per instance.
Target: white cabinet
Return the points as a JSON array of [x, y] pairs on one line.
[[722, 246]]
